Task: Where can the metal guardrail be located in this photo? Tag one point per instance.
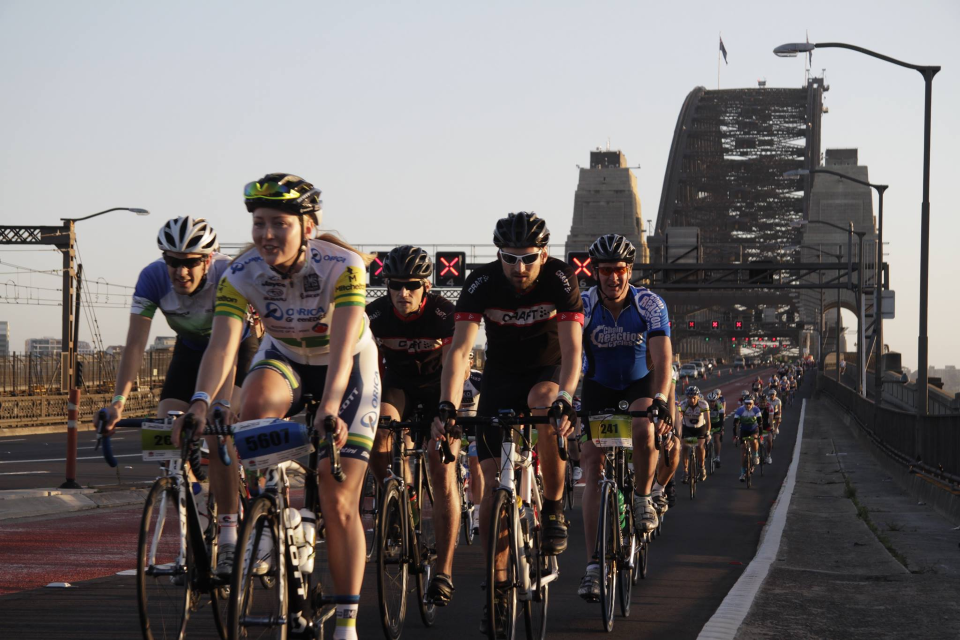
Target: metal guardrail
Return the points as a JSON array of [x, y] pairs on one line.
[[934, 450], [25, 411], [30, 374]]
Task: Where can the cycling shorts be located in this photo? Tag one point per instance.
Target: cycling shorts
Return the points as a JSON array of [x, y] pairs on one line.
[[696, 432], [406, 398], [181, 380], [506, 389], [748, 431], [360, 407], [596, 397]]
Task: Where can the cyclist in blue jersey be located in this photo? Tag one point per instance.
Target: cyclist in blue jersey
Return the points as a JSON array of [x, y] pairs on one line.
[[627, 355], [746, 422], [183, 285]]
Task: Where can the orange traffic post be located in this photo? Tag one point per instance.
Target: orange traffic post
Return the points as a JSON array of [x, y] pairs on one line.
[[73, 414]]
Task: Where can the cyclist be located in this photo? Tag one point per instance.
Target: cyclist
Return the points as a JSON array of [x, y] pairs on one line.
[[413, 328], [758, 385], [693, 412], [743, 396], [624, 327], [664, 490], [746, 422], [771, 425], [310, 295], [530, 304], [182, 284], [794, 383], [473, 380], [718, 409], [573, 444]]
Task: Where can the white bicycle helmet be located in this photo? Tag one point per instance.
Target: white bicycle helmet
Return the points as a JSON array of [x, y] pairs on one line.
[[714, 395], [187, 235]]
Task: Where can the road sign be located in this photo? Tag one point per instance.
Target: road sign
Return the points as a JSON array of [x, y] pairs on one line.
[[714, 325], [691, 324], [449, 269], [376, 272], [582, 268]]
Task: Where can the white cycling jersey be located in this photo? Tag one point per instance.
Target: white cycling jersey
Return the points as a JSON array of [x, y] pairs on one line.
[[693, 415], [296, 312]]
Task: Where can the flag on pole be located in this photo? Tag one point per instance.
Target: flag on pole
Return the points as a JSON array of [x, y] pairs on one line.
[[723, 50]]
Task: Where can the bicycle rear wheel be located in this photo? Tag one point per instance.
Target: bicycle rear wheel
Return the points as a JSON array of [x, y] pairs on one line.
[[643, 554], [501, 598], [535, 609], [165, 570], [426, 540], [608, 529], [258, 592], [392, 561], [568, 486], [369, 503], [628, 555]]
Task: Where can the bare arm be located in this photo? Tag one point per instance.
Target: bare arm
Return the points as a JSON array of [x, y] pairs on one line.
[[661, 352], [455, 363], [137, 335], [571, 342], [345, 327]]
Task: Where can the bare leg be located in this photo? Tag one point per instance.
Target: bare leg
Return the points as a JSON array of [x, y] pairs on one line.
[[446, 505], [338, 501]]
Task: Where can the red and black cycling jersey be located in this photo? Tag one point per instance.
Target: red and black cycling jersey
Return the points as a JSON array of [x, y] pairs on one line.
[[521, 327], [412, 347]]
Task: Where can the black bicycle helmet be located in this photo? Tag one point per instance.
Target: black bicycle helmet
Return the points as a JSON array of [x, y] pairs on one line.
[[284, 192], [521, 230], [613, 248], [407, 262]]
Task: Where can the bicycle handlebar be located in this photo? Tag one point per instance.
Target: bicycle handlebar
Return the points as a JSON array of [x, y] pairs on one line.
[[218, 420], [103, 439], [329, 423]]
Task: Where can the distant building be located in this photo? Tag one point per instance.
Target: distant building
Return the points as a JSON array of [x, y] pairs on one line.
[[950, 376], [4, 338], [163, 343], [48, 346], [114, 350]]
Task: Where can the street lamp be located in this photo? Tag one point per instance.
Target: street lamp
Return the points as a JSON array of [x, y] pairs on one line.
[[70, 335], [928, 72], [878, 273], [861, 365]]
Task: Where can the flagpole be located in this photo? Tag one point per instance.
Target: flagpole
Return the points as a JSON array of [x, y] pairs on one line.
[[718, 64]]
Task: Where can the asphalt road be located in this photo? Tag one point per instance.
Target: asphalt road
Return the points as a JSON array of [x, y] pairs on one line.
[[705, 546]]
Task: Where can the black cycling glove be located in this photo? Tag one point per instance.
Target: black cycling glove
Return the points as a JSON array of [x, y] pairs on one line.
[[446, 411], [659, 406], [560, 408]]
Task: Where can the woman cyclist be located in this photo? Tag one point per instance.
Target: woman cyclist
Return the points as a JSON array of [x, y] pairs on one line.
[[310, 294]]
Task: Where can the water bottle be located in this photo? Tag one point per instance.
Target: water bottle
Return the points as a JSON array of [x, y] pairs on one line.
[[622, 509], [293, 521], [307, 556], [202, 500], [527, 522]]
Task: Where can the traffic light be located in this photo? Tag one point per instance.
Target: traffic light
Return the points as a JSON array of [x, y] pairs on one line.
[[449, 269], [739, 324], [733, 338], [706, 338], [691, 324], [714, 325], [582, 268], [375, 278]]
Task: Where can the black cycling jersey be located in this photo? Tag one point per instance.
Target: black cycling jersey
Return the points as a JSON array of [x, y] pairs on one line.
[[412, 346], [521, 327]]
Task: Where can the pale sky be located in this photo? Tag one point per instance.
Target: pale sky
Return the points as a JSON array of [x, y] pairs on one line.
[[424, 122]]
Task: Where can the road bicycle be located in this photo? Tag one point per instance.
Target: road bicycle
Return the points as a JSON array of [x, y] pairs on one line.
[[746, 448], [693, 469], [176, 550], [467, 507], [518, 573], [405, 534], [274, 591]]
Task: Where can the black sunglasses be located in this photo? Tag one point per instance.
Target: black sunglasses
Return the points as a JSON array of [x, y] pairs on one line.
[[189, 263], [397, 285]]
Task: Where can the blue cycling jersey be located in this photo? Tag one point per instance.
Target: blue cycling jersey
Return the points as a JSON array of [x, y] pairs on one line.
[[190, 316], [615, 350], [749, 420]]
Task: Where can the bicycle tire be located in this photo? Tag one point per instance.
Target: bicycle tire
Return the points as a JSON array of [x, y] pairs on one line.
[[252, 597], [501, 524], [640, 573], [629, 557], [608, 534], [426, 540], [369, 503], [391, 561], [692, 475], [466, 521], [163, 604], [535, 609], [568, 486]]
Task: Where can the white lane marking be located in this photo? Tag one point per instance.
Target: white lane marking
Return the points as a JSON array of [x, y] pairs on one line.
[[732, 611], [5, 441], [22, 473], [125, 455]]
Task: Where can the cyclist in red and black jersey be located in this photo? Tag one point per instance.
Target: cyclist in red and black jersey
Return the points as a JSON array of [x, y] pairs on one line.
[[530, 304], [414, 328]]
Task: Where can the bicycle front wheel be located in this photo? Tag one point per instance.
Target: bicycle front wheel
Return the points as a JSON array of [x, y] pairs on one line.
[[535, 609], [258, 592], [165, 568], [426, 541], [694, 472], [392, 562], [608, 532], [501, 595]]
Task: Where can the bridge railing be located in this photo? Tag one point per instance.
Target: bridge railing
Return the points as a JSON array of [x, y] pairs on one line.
[[929, 445]]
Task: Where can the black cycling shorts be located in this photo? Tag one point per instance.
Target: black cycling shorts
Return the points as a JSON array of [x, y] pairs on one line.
[[181, 380], [596, 397], [506, 389], [405, 398], [699, 432]]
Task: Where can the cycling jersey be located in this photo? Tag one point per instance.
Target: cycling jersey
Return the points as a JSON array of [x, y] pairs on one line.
[[717, 410], [615, 350], [521, 326], [693, 414], [296, 311], [471, 394], [749, 420], [190, 315], [776, 405], [412, 347]]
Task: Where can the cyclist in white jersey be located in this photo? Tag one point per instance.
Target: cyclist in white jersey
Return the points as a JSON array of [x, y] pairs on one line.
[[182, 284], [310, 296]]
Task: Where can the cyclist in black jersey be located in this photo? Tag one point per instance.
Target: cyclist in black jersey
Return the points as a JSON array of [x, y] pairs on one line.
[[413, 329], [531, 307]]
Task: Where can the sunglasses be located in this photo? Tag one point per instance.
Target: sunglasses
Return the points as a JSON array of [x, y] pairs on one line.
[[399, 285], [527, 258], [609, 271], [189, 263]]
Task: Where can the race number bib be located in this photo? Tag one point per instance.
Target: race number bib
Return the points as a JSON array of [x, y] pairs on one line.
[[611, 431], [157, 442], [270, 441]]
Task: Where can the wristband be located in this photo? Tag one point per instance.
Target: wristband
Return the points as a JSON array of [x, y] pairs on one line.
[[660, 397], [202, 396], [566, 396], [119, 398]]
